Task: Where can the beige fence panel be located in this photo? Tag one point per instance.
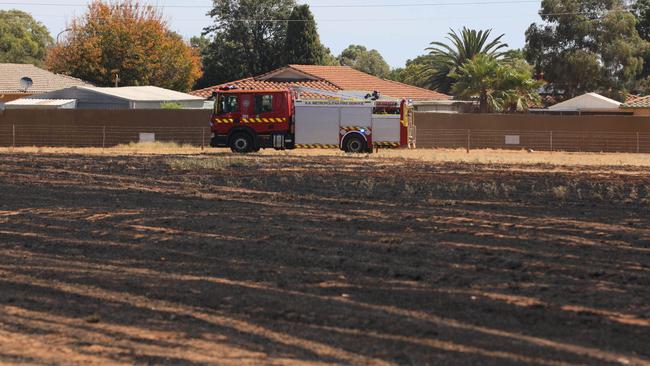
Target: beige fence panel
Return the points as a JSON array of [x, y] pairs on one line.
[[534, 132]]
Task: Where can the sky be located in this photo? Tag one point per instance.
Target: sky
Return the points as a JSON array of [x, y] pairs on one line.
[[399, 30]]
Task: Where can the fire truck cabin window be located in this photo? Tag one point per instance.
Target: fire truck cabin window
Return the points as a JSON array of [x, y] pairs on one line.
[[263, 103], [228, 104]]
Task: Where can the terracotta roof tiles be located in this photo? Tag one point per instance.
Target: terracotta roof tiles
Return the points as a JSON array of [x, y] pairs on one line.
[[639, 102], [253, 84], [331, 78], [348, 78]]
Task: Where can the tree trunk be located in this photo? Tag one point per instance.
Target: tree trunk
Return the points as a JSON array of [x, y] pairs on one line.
[[483, 102]]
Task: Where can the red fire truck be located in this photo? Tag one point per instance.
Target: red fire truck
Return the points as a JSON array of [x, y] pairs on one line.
[[250, 120]]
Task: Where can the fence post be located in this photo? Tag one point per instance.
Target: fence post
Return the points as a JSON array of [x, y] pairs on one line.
[[104, 137], [13, 137], [468, 141], [638, 143], [551, 134], [202, 138]]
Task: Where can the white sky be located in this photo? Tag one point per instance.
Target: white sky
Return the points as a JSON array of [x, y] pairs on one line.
[[398, 32]]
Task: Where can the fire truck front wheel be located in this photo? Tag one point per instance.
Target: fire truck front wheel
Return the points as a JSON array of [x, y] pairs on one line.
[[242, 143], [354, 143]]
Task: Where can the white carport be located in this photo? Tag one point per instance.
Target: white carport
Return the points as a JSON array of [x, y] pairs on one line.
[[590, 102]]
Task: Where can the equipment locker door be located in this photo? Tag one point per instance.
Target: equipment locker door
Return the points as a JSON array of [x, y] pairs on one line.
[[353, 116], [317, 125], [386, 129]]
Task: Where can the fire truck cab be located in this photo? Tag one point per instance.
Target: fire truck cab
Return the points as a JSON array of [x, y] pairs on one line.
[[250, 120]]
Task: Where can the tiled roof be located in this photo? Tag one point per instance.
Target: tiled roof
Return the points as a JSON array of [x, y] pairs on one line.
[[252, 84], [640, 102], [348, 78], [44, 81], [332, 78], [631, 98]]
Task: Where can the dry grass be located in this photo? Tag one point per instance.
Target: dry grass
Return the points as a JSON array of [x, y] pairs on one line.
[[202, 163], [431, 155], [142, 148]]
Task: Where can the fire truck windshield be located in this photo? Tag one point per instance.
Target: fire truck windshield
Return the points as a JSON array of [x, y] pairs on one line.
[[227, 104]]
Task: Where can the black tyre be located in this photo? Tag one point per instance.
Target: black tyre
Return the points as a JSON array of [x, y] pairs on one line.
[[241, 143], [354, 144]]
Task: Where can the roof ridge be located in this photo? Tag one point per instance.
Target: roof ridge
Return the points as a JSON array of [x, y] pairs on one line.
[[340, 77], [316, 76], [70, 77], [370, 75], [412, 86]]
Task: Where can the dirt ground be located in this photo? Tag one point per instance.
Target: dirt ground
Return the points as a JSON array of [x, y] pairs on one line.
[[321, 259]]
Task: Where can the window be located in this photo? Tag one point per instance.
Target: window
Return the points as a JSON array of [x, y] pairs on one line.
[[228, 104], [263, 103]]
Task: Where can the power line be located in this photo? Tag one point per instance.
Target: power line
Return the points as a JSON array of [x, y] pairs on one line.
[[503, 2], [469, 3]]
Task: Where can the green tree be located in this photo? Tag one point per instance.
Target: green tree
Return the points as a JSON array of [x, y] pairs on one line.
[[514, 54], [412, 72], [200, 43], [586, 45], [641, 9], [248, 38], [369, 61], [303, 44], [515, 88], [500, 86], [329, 59], [22, 39], [446, 59]]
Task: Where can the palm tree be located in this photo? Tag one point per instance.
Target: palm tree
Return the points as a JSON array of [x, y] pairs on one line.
[[501, 86], [446, 59], [477, 78], [515, 88]]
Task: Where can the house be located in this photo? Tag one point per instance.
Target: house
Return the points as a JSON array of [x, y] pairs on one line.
[[336, 78], [586, 104], [129, 97], [34, 81], [639, 106]]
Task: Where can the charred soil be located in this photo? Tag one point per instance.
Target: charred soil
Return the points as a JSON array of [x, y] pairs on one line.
[[271, 259]]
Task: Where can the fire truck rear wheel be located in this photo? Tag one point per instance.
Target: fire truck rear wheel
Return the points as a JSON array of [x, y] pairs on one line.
[[354, 144], [241, 143]]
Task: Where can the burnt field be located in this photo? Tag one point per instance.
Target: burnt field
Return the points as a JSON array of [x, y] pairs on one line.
[[289, 259]]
